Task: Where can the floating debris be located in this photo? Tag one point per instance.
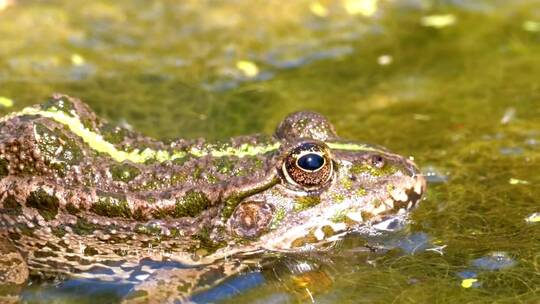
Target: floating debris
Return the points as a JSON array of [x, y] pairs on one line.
[[248, 68], [515, 181], [511, 150], [77, 60], [496, 136], [468, 283], [494, 261], [333, 52], [6, 102], [532, 141], [385, 60], [531, 26], [438, 249], [508, 116], [468, 279], [415, 243], [421, 117], [361, 7], [434, 176], [318, 9], [438, 21], [533, 218]]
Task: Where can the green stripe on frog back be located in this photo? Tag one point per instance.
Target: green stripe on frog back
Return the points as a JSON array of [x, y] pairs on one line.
[[99, 144]]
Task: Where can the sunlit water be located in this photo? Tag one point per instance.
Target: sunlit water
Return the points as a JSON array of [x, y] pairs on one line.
[[454, 83]]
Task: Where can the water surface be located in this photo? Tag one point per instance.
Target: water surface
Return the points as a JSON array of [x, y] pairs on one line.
[[456, 84]]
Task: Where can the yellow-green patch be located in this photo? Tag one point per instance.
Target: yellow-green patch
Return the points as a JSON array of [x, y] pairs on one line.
[[305, 202], [278, 217], [191, 204]]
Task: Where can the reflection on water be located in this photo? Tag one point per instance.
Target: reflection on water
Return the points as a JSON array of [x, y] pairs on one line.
[[454, 83]]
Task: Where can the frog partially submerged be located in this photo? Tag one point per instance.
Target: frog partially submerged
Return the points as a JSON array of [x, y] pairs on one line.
[[80, 197]]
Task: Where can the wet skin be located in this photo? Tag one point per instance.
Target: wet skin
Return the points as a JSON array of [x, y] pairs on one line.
[[80, 197]]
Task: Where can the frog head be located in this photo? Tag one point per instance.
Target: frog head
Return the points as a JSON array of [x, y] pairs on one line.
[[325, 187]]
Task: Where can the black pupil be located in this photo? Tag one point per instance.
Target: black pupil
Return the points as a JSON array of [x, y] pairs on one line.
[[311, 162]]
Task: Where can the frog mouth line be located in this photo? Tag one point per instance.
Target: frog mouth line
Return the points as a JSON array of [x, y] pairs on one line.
[[401, 201]]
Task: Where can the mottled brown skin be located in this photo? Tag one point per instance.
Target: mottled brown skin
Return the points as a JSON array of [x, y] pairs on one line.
[[41, 204], [69, 210]]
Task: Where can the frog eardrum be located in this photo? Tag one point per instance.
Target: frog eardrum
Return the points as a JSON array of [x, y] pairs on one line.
[[308, 165]]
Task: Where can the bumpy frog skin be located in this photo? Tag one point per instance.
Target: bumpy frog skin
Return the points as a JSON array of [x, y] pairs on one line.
[[80, 197]]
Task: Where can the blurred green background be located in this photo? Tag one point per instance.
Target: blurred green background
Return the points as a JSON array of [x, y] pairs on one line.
[[455, 83]]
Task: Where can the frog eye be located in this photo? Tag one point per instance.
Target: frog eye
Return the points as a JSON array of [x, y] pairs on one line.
[[311, 162], [308, 165]]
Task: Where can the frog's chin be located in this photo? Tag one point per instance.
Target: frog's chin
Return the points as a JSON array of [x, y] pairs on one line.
[[316, 236]]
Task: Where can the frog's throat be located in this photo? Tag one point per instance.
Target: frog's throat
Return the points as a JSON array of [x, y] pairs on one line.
[[96, 142]]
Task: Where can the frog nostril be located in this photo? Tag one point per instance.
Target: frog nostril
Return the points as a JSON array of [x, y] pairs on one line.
[[377, 161]]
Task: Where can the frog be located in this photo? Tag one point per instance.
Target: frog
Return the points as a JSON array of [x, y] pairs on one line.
[[81, 197]]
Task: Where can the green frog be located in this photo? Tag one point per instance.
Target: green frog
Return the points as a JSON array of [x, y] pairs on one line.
[[83, 198]]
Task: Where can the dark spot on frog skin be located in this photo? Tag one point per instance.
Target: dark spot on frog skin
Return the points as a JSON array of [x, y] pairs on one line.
[[328, 231], [25, 230], [113, 134], [112, 206], [14, 236], [61, 103], [11, 206], [192, 204], [58, 231], [197, 173], [224, 165], [124, 172], [72, 209], [120, 252], [90, 251], [46, 204], [3, 168], [205, 241], [302, 241], [83, 227], [148, 229], [138, 215], [184, 286], [44, 254]]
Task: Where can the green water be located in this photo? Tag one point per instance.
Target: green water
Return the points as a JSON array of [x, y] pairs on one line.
[[463, 98]]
